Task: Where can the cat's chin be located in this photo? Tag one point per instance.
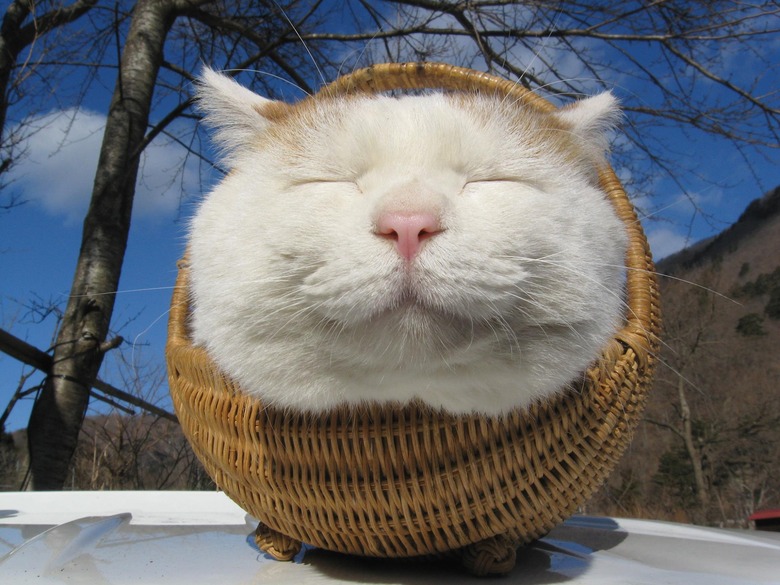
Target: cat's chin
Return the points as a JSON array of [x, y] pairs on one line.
[[413, 315], [411, 335]]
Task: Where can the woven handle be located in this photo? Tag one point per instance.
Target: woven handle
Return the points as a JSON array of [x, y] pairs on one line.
[[391, 76]]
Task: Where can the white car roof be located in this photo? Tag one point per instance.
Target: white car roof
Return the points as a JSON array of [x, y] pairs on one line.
[[203, 537]]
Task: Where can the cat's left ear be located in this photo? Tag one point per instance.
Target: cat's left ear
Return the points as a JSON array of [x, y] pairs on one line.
[[591, 120], [237, 114]]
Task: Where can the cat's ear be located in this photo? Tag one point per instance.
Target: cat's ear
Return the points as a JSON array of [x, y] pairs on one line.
[[591, 120], [234, 112]]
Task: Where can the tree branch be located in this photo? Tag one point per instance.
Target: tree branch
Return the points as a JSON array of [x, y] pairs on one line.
[[725, 83], [49, 21], [32, 356], [664, 425]]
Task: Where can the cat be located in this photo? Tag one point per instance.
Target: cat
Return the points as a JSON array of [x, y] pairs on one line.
[[452, 249]]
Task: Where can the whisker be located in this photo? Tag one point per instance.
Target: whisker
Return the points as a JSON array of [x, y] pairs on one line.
[[124, 291], [303, 43], [664, 344], [675, 278], [272, 76]]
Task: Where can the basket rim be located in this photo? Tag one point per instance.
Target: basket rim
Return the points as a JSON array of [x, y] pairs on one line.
[[382, 77]]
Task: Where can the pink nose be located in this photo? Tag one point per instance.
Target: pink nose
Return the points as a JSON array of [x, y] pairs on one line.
[[408, 230]]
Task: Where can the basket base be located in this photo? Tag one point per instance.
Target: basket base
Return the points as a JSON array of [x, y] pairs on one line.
[[275, 544], [490, 557]]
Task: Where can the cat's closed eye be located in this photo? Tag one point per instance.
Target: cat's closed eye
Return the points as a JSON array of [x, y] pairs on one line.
[[511, 180]]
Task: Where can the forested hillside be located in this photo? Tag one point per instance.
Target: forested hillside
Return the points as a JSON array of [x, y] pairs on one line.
[[708, 450]]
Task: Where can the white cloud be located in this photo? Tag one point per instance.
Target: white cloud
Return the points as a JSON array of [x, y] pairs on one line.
[[664, 242], [58, 167], [59, 162]]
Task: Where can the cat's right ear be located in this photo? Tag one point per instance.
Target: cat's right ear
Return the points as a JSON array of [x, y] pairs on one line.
[[234, 112]]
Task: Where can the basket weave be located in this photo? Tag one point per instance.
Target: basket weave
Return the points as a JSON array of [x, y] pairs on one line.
[[400, 482]]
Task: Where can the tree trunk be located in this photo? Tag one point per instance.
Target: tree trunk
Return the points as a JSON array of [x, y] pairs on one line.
[[695, 454], [59, 410]]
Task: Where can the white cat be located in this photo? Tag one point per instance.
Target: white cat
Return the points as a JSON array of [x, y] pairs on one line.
[[454, 249]]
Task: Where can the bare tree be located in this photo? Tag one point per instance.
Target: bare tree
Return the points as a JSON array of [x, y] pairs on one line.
[[57, 416], [126, 450], [117, 451], [82, 339], [688, 336]]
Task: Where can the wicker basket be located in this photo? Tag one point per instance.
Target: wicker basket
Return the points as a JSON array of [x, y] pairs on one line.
[[393, 482]]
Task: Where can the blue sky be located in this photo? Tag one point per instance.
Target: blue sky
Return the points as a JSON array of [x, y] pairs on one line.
[[39, 240]]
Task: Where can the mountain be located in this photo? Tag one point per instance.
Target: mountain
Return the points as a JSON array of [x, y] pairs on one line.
[[754, 220], [708, 449], [735, 278]]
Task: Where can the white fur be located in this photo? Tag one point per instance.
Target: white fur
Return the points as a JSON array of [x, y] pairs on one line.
[[298, 298]]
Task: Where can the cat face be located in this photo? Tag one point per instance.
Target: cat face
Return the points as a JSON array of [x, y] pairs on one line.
[[451, 249]]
